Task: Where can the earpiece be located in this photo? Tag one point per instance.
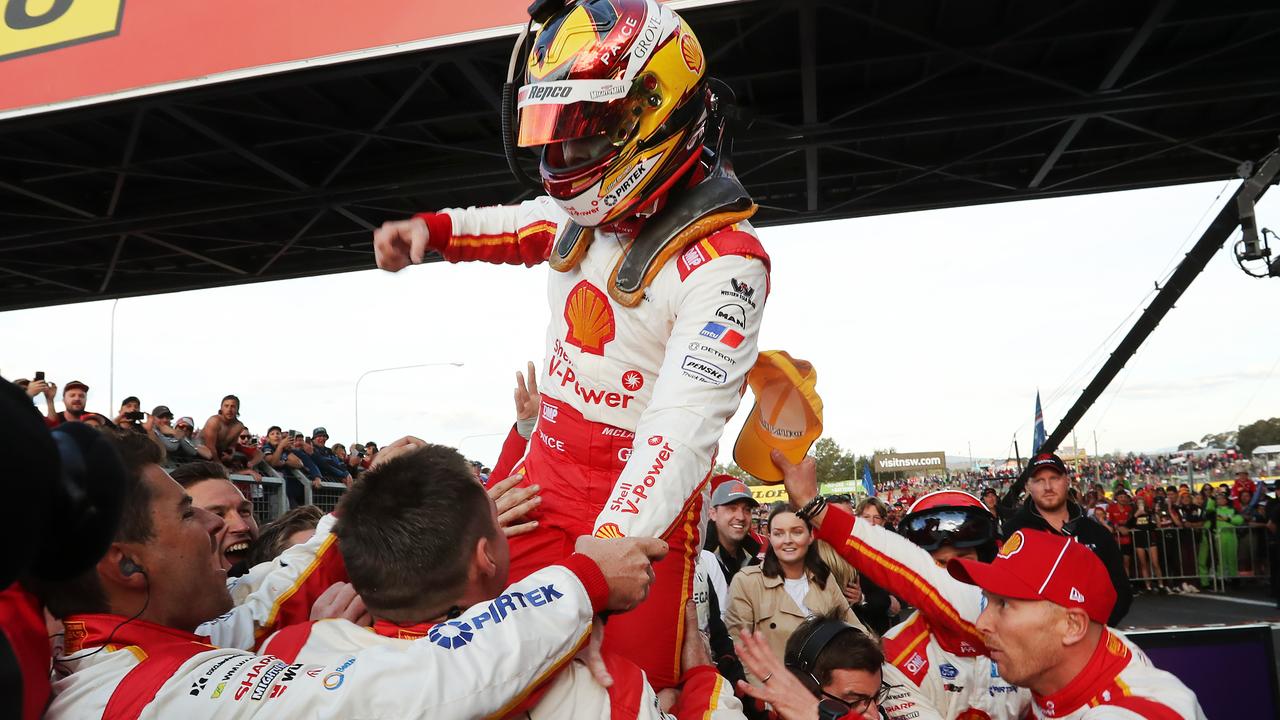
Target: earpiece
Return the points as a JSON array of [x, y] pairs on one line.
[[129, 568]]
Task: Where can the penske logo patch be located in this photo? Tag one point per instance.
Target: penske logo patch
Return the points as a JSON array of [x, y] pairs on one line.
[[34, 26]]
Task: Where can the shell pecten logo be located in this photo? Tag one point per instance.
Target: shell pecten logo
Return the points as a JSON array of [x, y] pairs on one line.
[[589, 317], [33, 26], [1012, 545], [609, 531]]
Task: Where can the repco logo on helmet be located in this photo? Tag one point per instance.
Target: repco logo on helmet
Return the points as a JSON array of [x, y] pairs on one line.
[[548, 92]]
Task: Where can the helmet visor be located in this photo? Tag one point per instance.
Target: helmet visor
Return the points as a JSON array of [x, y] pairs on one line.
[[562, 110], [961, 527]]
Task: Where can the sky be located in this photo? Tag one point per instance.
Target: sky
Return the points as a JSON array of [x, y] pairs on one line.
[[929, 330]]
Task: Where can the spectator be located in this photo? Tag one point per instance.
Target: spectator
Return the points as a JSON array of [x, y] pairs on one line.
[[330, 465], [1273, 539], [281, 452], [834, 671], [130, 416], [878, 610], [1046, 626], [292, 528], [37, 387], [176, 441], [1223, 520], [74, 397], [1050, 510], [792, 584], [1142, 528], [185, 429], [729, 535], [210, 489], [1118, 513], [222, 435]]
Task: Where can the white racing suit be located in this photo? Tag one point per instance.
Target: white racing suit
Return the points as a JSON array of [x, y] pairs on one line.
[[1120, 683], [667, 373], [507, 649], [935, 660]]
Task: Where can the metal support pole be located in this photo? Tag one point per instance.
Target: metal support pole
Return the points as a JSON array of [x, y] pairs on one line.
[[366, 373], [1189, 269]]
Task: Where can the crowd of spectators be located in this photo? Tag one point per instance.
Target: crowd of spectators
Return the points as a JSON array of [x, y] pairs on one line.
[[766, 579]]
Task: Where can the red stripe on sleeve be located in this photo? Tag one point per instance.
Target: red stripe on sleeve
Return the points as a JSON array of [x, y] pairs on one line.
[[592, 579], [294, 605], [287, 643]]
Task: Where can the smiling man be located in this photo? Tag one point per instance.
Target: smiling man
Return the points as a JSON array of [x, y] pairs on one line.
[[210, 489], [728, 533], [1045, 623]]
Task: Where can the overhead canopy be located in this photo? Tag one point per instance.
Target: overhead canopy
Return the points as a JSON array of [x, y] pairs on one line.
[[859, 108]]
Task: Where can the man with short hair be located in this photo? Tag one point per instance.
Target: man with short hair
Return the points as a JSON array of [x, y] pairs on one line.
[[130, 415], [1045, 622], [221, 435], [129, 649], [1049, 509], [729, 535], [210, 489], [74, 396], [416, 592], [832, 670], [176, 443]]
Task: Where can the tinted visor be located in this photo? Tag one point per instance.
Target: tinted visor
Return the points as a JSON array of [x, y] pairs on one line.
[[961, 527], [552, 112]]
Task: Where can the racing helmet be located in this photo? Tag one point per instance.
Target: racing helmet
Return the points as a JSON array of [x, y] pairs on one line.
[[615, 96], [950, 517]]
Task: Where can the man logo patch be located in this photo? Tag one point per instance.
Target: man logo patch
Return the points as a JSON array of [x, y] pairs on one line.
[[732, 314]]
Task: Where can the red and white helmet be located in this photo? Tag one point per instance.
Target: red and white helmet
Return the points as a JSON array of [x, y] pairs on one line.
[[616, 99]]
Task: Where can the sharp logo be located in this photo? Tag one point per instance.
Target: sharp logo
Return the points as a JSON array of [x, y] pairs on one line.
[[34, 26]]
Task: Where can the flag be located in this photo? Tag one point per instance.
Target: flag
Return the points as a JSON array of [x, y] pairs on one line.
[[866, 479], [1038, 440]]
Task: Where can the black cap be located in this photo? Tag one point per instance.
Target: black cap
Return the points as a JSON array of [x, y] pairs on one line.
[[1048, 460], [318, 432], [161, 411]]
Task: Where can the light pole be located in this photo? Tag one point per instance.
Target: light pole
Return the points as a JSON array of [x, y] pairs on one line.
[[367, 373], [111, 360]]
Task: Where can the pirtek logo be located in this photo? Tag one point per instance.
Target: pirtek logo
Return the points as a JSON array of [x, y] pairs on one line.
[[32, 26], [632, 495]]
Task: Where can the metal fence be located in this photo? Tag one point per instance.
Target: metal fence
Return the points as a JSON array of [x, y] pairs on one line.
[[267, 496], [326, 496], [1203, 557]]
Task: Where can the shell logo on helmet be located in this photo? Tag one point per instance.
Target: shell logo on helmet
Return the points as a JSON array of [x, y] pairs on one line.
[[691, 53], [1012, 545]]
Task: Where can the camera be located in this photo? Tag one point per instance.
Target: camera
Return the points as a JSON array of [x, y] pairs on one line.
[[135, 416], [39, 375]]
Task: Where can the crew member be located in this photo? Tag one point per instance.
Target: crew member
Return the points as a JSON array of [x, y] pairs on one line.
[[935, 660], [1045, 622], [657, 292]]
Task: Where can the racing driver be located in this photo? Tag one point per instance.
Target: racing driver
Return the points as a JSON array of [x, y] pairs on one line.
[[657, 289], [935, 660]]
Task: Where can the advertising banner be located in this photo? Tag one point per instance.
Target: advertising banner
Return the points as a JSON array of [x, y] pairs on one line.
[[769, 494], [61, 53], [918, 462]]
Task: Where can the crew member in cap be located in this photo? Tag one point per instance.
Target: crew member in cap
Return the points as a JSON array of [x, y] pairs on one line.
[[1048, 508], [1047, 600], [729, 535]]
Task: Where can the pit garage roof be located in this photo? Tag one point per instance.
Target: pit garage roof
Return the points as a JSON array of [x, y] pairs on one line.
[[858, 108]]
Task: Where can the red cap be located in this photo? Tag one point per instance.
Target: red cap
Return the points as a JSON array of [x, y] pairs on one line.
[[1036, 565]]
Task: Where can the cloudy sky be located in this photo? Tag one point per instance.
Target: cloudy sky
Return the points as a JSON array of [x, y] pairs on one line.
[[929, 331]]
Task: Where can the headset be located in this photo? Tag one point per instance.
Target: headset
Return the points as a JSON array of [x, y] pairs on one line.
[[802, 661], [129, 568]]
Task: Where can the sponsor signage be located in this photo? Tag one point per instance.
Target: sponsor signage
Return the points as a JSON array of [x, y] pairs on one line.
[[842, 486], [911, 462], [767, 494], [61, 53]]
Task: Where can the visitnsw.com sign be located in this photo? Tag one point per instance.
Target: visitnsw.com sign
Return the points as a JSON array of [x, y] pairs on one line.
[[920, 462]]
